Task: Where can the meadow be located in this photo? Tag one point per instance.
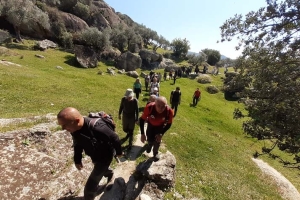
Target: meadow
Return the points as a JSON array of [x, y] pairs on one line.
[[212, 152]]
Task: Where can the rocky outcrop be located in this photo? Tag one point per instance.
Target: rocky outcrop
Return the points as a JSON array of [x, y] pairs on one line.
[[128, 61], [150, 59], [103, 16], [45, 44], [86, 56], [72, 22], [37, 163]]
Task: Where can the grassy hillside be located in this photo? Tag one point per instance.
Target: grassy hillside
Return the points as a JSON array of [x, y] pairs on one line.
[[213, 155]]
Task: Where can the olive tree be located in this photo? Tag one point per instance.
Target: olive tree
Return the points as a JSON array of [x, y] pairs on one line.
[[180, 47], [23, 12], [213, 56], [269, 69]]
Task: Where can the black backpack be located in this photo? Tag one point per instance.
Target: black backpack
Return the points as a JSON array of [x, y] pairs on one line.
[[108, 119]]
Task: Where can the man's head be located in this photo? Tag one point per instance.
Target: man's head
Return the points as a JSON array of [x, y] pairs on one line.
[[177, 88], [160, 104], [152, 98], [70, 119], [129, 94]]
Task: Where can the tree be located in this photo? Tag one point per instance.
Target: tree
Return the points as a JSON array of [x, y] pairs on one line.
[[147, 34], [196, 59], [23, 12], [269, 70], [160, 42], [213, 56], [180, 47], [95, 38]]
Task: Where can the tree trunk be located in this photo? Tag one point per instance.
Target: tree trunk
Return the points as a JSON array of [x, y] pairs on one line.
[[18, 34]]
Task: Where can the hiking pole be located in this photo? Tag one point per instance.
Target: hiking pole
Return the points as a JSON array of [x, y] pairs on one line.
[[117, 158]]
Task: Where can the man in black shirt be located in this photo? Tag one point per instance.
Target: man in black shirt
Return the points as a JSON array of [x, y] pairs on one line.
[[97, 141], [175, 99]]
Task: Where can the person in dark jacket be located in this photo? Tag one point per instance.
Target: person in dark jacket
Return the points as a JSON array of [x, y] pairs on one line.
[[175, 99], [101, 151], [129, 113]]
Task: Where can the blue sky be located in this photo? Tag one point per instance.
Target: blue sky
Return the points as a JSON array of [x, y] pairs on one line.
[[196, 20]]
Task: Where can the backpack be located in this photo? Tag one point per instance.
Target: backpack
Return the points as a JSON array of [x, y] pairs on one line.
[[108, 119], [167, 113]]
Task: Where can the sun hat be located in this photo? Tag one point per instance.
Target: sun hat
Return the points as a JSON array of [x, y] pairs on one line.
[[129, 93], [155, 89]]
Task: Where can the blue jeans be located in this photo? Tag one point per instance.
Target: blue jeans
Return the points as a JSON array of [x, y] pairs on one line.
[[100, 170]]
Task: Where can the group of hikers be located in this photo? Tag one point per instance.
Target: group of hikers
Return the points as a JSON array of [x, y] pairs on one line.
[[99, 141]]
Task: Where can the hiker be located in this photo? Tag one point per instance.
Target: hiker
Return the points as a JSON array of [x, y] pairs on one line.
[[165, 75], [130, 113], [151, 99], [153, 85], [159, 117], [99, 142], [137, 88], [196, 97], [174, 77], [155, 92], [147, 80], [175, 99]]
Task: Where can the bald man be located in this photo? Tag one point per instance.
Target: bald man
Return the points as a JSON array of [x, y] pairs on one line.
[[98, 141], [159, 117]]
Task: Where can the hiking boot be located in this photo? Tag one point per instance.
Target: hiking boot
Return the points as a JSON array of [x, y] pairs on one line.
[[156, 156], [149, 147], [110, 182]]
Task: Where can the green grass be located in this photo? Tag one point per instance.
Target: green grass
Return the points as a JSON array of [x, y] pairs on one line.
[[213, 154]]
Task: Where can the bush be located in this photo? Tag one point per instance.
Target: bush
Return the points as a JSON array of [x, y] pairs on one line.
[[212, 89], [66, 40], [94, 37], [204, 78], [82, 11], [4, 36], [167, 55]]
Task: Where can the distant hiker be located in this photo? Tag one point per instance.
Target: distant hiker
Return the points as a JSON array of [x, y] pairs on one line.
[[158, 77], [151, 98], [97, 141], [130, 113], [137, 88], [155, 92], [196, 97], [174, 78], [160, 117], [175, 99], [165, 75], [153, 85], [147, 81]]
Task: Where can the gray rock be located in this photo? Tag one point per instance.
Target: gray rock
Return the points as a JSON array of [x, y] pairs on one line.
[[128, 61], [86, 56]]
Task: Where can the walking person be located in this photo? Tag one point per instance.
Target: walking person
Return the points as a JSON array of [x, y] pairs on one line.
[[147, 81], [159, 117], [175, 99], [137, 88], [154, 85], [196, 97], [130, 112], [99, 142]]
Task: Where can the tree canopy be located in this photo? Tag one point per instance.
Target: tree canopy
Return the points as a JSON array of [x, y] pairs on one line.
[[213, 56], [180, 47], [270, 71]]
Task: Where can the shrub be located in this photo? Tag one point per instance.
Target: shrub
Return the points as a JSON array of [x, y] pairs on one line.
[[81, 10], [66, 40], [204, 78], [167, 55], [212, 89], [94, 37]]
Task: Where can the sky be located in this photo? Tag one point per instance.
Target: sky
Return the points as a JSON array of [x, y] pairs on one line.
[[196, 20]]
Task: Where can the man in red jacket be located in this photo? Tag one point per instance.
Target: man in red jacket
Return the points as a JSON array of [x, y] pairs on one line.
[[196, 97], [159, 116]]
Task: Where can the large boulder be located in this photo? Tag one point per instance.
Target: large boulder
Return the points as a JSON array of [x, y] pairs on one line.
[[168, 65], [72, 22], [162, 172], [150, 59], [103, 16], [45, 44], [86, 56], [128, 61]]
